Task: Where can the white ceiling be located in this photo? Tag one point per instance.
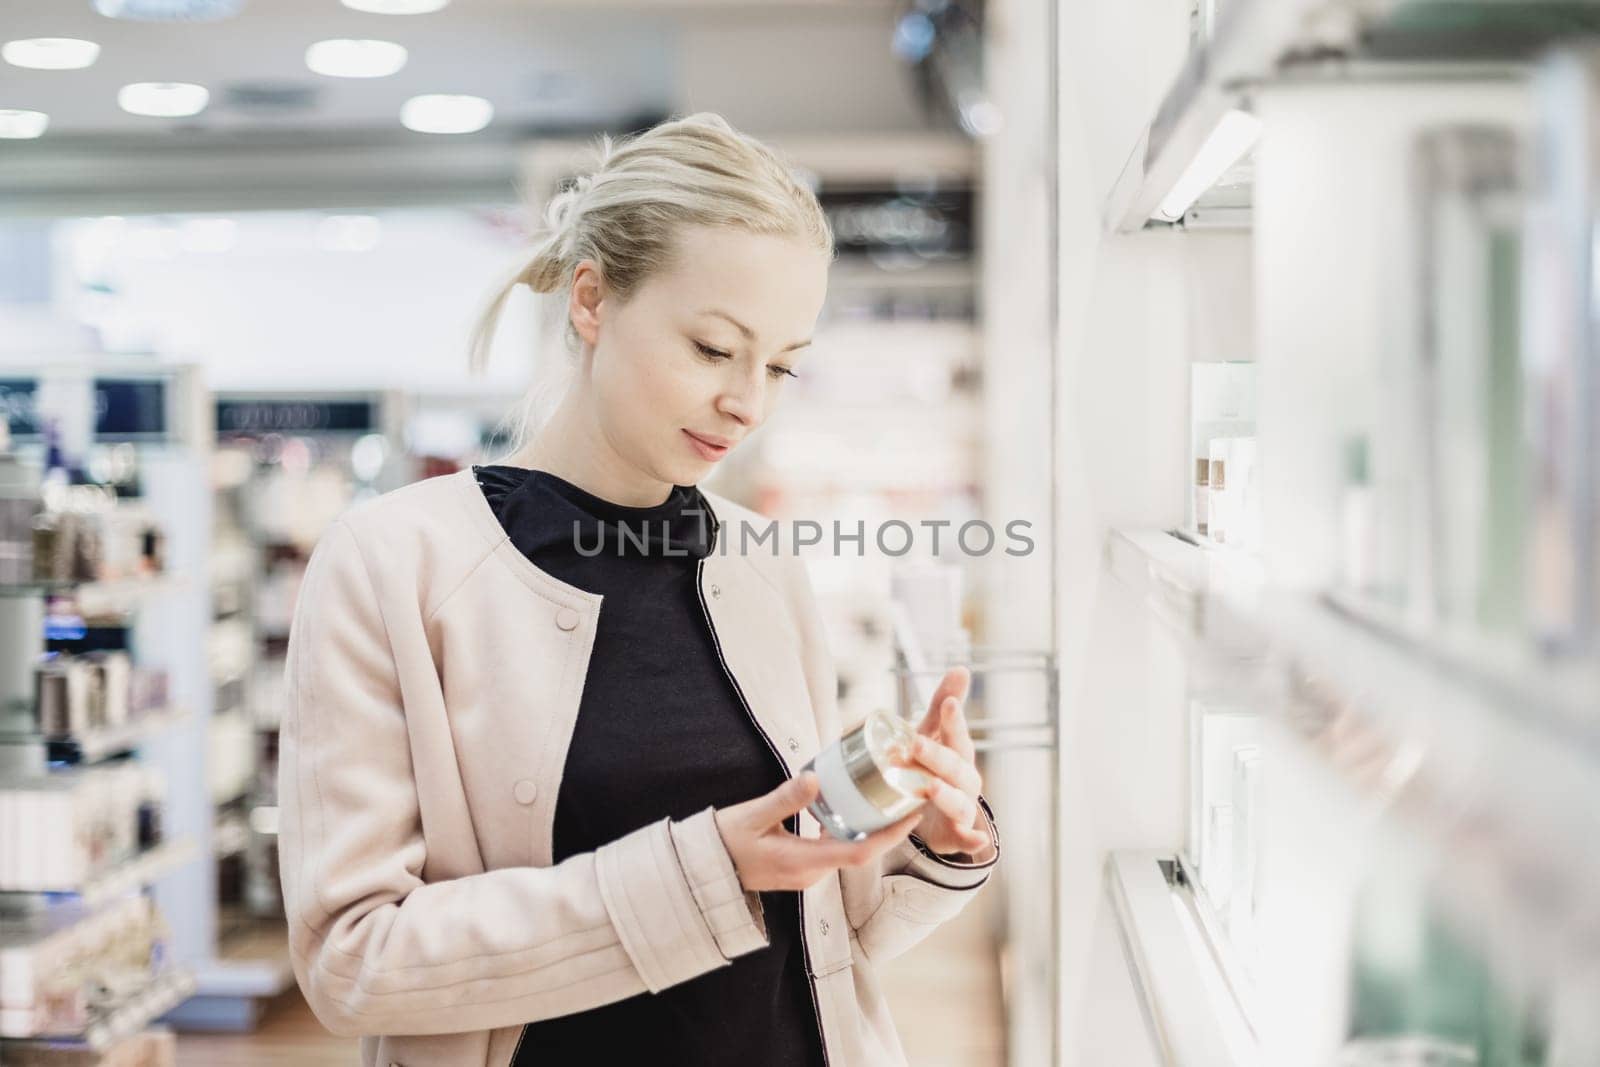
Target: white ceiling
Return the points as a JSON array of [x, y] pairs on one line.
[[545, 64], [552, 68]]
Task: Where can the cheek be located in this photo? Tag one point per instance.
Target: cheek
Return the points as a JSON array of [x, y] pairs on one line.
[[653, 387]]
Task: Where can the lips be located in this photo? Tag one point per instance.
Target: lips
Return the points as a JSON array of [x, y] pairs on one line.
[[708, 448]]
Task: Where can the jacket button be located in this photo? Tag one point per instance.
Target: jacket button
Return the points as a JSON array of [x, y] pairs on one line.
[[794, 746], [716, 592], [567, 619], [822, 924], [526, 790]]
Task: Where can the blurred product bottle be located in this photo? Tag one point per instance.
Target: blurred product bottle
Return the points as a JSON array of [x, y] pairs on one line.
[[1421, 996]]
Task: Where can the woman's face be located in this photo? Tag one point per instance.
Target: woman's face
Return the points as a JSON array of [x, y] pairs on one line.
[[701, 353]]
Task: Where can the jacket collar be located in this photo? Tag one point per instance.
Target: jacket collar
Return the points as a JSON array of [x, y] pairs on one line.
[[756, 639]]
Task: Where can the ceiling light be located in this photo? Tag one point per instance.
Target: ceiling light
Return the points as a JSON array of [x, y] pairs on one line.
[[51, 53], [356, 59], [168, 10], [444, 113], [396, 7], [1235, 134], [22, 125], [163, 100]]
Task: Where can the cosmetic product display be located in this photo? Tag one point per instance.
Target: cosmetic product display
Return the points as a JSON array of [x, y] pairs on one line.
[[1358, 521], [1422, 992], [1219, 733], [1561, 357], [22, 643], [865, 780], [1222, 411], [78, 695], [87, 534], [59, 830], [65, 965], [21, 500], [1245, 852]]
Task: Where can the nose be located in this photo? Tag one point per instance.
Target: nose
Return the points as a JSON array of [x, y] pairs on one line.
[[744, 400]]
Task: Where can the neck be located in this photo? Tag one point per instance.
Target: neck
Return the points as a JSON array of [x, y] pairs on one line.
[[572, 446]]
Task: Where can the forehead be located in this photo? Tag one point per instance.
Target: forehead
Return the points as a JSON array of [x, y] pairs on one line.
[[776, 285]]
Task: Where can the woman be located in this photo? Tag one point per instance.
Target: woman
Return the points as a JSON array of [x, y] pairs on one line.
[[538, 765]]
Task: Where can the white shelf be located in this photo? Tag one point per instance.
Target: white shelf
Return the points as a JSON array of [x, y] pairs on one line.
[[1259, 41], [165, 992], [1188, 1004], [147, 867], [1467, 745], [1216, 595], [1186, 586]]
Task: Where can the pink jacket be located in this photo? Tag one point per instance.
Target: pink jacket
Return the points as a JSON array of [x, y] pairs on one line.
[[418, 782]]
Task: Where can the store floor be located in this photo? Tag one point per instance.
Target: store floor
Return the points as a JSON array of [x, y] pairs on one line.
[[945, 996]]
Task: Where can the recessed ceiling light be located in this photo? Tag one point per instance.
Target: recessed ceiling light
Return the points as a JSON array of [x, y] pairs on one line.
[[396, 7], [356, 59], [163, 100], [445, 113], [168, 10], [50, 53], [22, 125]]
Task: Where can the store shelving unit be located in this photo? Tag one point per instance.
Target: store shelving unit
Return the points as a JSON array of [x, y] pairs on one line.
[[1413, 757], [48, 909], [1259, 42], [266, 512]]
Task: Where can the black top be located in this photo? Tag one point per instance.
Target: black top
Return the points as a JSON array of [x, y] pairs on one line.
[[660, 732]]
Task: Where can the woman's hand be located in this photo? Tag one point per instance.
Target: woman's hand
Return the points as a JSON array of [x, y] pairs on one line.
[[944, 749], [768, 856]]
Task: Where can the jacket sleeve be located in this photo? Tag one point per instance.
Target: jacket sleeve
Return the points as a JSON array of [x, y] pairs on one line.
[[375, 948], [915, 889]]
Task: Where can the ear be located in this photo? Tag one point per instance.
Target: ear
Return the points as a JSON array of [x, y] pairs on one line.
[[584, 302]]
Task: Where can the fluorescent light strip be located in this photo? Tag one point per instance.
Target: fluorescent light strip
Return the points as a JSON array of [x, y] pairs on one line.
[[1235, 134], [50, 53]]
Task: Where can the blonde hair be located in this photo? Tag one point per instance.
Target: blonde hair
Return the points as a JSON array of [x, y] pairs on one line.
[[626, 213]]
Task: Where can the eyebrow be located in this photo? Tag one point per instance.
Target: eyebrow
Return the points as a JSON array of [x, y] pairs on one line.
[[749, 334]]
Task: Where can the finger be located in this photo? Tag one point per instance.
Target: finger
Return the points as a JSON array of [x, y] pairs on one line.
[[947, 764], [953, 729], [955, 683], [790, 797], [959, 808], [829, 852]]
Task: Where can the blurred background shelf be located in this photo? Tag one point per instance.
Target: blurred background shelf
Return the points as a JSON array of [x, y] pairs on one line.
[[100, 744], [108, 1027], [144, 869]]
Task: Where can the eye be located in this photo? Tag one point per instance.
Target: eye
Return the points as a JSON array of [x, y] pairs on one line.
[[775, 371]]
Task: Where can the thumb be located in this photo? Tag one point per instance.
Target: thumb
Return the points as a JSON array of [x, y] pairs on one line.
[[787, 799]]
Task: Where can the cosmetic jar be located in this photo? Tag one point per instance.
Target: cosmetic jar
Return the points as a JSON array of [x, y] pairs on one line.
[[864, 779]]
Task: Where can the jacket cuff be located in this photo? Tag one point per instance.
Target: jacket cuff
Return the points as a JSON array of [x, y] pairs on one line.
[[733, 913], [959, 870], [653, 908]]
